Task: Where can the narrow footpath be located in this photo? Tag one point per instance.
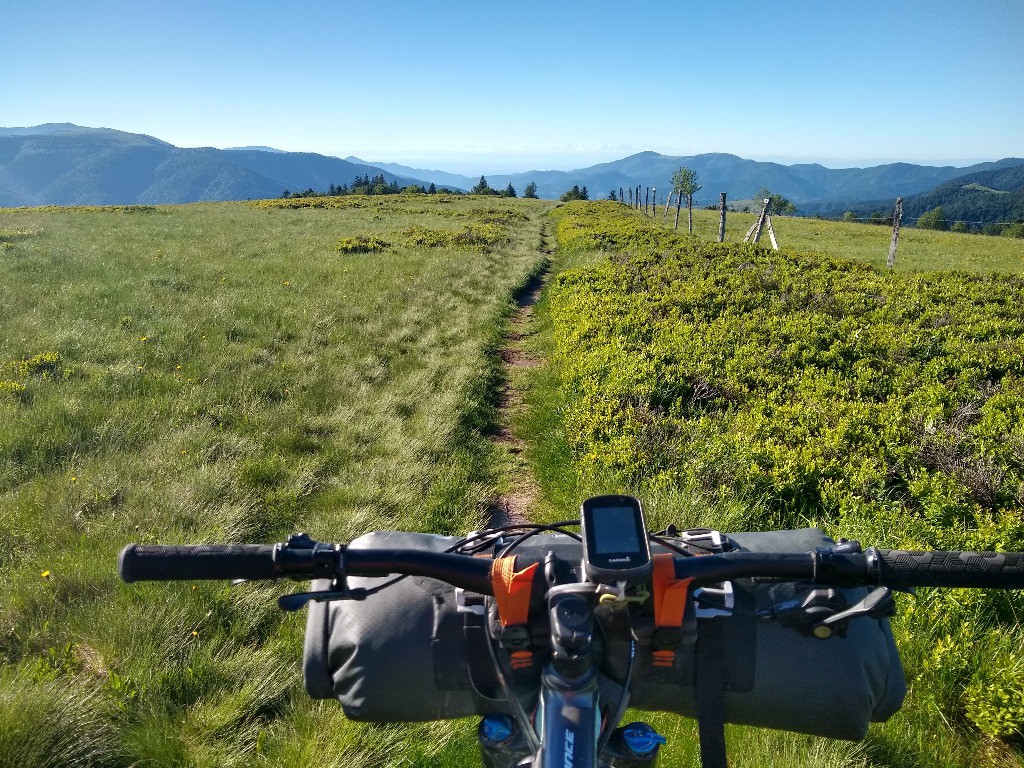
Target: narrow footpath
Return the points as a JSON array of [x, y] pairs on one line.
[[514, 506]]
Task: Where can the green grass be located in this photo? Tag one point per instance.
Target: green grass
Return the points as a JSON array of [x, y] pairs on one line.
[[957, 650], [236, 372], [919, 249], [223, 372]]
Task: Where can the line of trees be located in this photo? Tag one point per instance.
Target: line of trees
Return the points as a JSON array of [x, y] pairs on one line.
[[575, 194], [364, 185], [378, 185], [483, 188], [937, 219]]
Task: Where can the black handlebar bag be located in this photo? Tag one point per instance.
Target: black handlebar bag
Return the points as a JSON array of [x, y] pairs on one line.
[[400, 653], [772, 676], [405, 651]]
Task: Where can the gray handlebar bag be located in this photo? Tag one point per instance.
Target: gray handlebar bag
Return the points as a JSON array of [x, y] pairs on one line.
[[400, 654], [775, 677]]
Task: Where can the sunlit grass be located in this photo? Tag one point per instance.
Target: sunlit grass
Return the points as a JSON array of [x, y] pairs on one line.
[[918, 249], [220, 372]]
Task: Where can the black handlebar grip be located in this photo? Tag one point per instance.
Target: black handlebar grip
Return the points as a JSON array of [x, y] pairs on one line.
[[1001, 570], [144, 562]]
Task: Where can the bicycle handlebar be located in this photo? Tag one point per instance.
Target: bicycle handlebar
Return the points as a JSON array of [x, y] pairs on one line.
[[900, 568], [146, 562], [893, 568], [152, 562]]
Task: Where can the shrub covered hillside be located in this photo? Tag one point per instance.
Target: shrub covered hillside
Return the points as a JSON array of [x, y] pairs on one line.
[[811, 389]]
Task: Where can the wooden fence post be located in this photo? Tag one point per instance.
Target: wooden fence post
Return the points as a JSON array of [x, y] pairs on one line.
[[638, 197], [654, 201], [758, 226], [647, 200], [721, 219], [664, 217], [622, 197], [897, 216], [771, 233], [679, 204]]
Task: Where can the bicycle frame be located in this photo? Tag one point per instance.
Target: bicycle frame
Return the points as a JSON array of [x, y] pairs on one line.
[[568, 723]]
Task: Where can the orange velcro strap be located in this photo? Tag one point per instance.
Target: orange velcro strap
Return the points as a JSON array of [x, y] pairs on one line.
[[663, 658], [512, 590], [521, 659], [670, 604]]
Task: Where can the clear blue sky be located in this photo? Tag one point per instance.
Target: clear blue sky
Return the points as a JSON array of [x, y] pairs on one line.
[[485, 85]]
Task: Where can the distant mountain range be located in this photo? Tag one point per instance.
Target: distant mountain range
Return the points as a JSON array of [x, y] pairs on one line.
[[806, 185], [65, 164], [977, 198]]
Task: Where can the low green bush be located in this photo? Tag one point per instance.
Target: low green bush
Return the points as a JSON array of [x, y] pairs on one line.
[[815, 390], [362, 244]]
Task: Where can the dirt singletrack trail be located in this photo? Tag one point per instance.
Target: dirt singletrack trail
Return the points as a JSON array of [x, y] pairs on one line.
[[514, 506]]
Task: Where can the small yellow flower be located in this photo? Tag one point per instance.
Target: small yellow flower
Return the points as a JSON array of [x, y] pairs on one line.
[[45, 574], [74, 478], [195, 633], [184, 452], [144, 338], [287, 282]]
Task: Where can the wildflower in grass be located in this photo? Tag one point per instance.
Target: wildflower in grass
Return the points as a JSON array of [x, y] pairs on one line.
[[143, 339], [45, 575]]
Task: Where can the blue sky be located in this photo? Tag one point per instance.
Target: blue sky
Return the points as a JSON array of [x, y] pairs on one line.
[[491, 86]]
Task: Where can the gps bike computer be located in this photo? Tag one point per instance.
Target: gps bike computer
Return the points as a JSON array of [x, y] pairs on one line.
[[615, 544]]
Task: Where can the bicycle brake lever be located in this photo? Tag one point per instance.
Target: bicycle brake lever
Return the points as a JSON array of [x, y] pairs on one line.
[[878, 604], [299, 600]]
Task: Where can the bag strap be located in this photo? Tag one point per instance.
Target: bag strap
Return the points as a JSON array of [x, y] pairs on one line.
[[512, 593], [711, 694], [670, 598]]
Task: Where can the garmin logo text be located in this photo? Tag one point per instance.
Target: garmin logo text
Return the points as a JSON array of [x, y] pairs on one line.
[[619, 559], [570, 740]]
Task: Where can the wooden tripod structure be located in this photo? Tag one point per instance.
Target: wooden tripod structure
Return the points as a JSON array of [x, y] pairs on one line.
[[758, 226]]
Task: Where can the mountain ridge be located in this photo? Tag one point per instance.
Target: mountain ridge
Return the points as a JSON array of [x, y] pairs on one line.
[[738, 177], [978, 198], [66, 164]]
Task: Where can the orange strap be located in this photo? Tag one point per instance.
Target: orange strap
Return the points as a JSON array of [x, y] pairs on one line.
[[512, 590], [669, 603]]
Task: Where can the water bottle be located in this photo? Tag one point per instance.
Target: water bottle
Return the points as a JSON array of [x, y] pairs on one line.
[[633, 746], [502, 743]]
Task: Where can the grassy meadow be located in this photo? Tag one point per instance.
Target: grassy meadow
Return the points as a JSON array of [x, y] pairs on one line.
[[740, 389], [919, 249], [239, 371], [225, 372]]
